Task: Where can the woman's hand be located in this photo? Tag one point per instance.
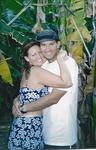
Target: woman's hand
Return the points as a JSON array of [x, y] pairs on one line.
[[62, 55]]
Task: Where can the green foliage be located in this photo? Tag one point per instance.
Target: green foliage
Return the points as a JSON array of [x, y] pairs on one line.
[[94, 92], [18, 18], [94, 107]]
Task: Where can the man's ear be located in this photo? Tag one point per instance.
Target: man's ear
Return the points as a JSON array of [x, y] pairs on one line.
[[26, 58], [58, 44]]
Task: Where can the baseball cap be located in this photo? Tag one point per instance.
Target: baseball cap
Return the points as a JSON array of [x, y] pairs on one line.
[[47, 35]]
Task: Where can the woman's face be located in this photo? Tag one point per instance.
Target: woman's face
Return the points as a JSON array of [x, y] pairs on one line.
[[34, 57]]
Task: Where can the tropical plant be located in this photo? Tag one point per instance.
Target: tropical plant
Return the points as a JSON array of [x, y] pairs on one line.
[[75, 22], [21, 19], [94, 56]]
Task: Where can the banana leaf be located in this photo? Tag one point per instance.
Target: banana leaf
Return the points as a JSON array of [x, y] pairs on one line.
[[4, 70], [94, 93], [76, 51], [74, 36], [94, 107], [16, 35]]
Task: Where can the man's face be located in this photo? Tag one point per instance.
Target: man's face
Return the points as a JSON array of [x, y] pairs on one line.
[[49, 50]]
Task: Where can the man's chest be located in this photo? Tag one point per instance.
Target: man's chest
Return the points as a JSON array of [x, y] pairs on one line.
[[54, 68]]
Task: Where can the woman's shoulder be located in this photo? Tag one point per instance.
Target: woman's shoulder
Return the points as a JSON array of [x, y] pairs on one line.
[[36, 69]]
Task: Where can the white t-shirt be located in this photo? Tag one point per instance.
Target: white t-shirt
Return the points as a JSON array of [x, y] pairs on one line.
[[60, 120]]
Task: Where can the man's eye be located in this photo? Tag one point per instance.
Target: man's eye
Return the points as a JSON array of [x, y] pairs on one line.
[[51, 44], [43, 45]]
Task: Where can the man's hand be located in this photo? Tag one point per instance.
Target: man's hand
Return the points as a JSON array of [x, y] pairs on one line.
[[15, 109]]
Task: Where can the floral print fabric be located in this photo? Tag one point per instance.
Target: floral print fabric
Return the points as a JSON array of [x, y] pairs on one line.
[[26, 132]]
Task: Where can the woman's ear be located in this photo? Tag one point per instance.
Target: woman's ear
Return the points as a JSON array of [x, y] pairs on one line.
[[26, 58]]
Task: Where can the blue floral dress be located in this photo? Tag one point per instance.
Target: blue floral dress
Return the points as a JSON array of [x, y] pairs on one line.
[[26, 132]]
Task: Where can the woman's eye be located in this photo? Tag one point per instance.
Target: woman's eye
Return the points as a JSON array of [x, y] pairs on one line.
[[33, 54]]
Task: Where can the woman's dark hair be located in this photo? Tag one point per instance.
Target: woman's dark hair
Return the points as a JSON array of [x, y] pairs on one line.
[[25, 49]]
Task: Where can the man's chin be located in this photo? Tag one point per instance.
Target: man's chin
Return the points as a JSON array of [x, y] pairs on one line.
[[49, 58]]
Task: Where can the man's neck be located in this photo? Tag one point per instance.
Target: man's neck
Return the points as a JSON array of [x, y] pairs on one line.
[[53, 59]]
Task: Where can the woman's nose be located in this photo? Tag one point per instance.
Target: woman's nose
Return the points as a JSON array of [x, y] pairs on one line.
[[38, 56]]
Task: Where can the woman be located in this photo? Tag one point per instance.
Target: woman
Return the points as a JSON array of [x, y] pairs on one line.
[[26, 130]]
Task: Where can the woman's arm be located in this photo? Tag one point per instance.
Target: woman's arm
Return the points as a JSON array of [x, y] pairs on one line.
[[64, 71], [45, 77]]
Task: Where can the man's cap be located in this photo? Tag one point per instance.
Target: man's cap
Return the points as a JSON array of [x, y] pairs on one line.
[[47, 35]]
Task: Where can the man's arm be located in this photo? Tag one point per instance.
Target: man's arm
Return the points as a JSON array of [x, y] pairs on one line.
[[43, 102], [15, 107]]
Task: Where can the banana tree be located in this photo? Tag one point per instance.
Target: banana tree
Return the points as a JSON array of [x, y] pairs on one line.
[[16, 21], [20, 19], [94, 88]]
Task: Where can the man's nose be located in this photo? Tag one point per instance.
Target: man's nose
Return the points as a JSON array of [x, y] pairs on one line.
[[47, 48]]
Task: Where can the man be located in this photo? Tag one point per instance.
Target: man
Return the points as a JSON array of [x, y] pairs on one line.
[[60, 119]]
